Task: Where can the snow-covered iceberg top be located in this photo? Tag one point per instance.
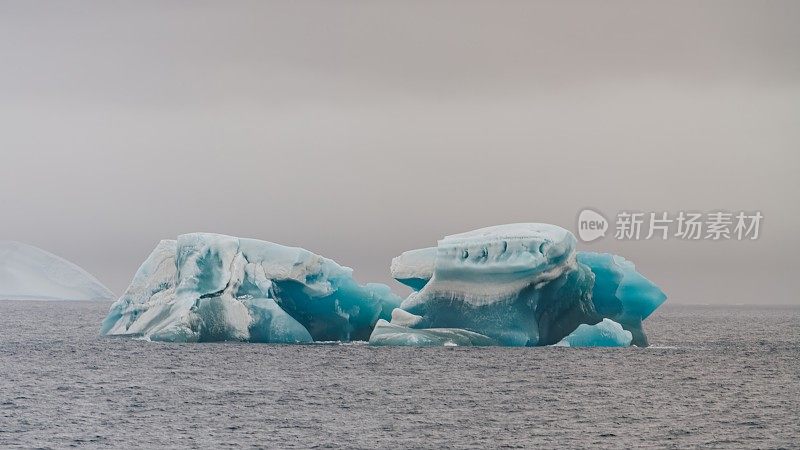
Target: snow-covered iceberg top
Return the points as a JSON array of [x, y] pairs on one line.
[[30, 273], [493, 264], [210, 287], [519, 284]]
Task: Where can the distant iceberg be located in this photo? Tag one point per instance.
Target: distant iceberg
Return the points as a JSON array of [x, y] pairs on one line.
[[30, 273], [208, 287], [517, 285]]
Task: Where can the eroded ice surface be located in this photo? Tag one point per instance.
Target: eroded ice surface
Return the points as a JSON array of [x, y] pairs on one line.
[[607, 333], [30, 273], [209, 287], [520, 285]]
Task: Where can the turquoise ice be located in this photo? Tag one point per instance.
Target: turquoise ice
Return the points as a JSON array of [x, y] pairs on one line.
[[621, 293], [208, 287], [520, 285], [509, 285], [607, 333]]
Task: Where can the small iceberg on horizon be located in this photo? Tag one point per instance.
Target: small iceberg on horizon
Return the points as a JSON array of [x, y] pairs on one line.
[[30, 273]]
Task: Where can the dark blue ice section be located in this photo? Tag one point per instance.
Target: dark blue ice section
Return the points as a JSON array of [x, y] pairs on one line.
[[621, 293]]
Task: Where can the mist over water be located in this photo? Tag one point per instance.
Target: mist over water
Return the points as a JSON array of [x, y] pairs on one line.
[[724, 377]]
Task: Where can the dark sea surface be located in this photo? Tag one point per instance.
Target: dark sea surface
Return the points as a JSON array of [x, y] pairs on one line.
[[721, 377]]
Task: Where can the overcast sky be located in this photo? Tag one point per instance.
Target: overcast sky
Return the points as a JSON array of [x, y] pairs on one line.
[[362, 129]]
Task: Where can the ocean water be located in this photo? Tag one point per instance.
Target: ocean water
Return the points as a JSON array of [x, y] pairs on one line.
[[720, 377]]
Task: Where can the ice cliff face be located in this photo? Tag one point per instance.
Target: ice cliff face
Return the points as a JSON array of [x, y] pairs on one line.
[[30, 273], [208, 287], [517, 285]]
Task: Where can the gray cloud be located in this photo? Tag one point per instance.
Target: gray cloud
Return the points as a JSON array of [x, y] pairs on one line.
[[362, 129]]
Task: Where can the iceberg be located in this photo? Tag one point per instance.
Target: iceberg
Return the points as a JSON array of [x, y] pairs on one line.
[[518, 285], [607, 333], [207, 287], [510, 285], [30, 273]]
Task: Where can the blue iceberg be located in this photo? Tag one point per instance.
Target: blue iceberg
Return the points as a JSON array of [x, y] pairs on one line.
[[520, 285], [607, 333], [510, 285], [208, 287]]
